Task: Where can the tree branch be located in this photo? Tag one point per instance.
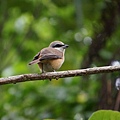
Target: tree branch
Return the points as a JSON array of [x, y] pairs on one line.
[[57, 75]]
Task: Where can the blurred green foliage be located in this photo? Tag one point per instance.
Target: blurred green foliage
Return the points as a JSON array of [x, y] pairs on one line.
[[26, 26]]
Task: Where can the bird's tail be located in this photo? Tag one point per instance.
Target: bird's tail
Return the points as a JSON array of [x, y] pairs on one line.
[[34, 62]]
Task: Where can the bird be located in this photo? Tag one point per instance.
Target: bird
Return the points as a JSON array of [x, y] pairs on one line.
[[51, 58]]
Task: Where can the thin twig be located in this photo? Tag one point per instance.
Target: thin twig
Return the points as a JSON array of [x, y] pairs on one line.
[[56, 75]]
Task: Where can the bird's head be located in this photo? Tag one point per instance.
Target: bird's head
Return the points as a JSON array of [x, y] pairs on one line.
[[58, 45]]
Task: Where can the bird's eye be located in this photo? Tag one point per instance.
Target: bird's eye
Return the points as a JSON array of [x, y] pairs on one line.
[[58, 45]]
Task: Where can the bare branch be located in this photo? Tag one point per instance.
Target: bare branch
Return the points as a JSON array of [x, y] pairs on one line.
[[57, 75]]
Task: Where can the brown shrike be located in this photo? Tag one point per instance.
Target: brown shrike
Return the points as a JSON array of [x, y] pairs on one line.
[[50, 58]]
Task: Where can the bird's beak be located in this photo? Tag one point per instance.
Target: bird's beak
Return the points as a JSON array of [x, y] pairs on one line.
[[65, 46]]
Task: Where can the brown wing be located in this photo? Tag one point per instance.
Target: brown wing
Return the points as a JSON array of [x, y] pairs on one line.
[[46, 54], [50, 53]]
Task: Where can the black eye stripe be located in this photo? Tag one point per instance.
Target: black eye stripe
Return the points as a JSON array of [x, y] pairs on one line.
[[58, 45]]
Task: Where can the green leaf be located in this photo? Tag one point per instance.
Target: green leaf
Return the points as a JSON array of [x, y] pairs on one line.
[[105, 115]]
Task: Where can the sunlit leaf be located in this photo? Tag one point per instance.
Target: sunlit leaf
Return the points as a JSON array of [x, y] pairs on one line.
[[105, 115]]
